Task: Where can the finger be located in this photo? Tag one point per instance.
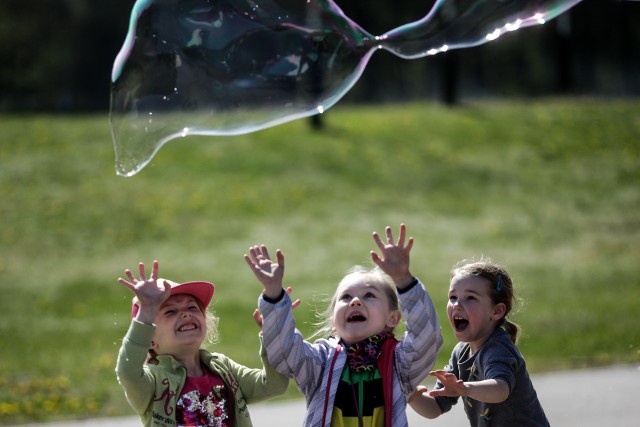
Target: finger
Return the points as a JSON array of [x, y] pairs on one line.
[[440, 378], [436, 393], [389, 235], [130, 276], [126, 283], [417, 392], [280, 258], [409, 245], [253, 265], [167, 287], [447, 378], [375, 258], [402, 235], [154, 270], [260, 256], [257, 255], [378, 240], [257, 316], [296, 302], [439, 374], [253, 251], [265, 252], [141, 271], [248, 260]]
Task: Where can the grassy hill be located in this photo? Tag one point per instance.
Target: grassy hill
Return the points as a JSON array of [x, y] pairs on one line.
[[549, 188]]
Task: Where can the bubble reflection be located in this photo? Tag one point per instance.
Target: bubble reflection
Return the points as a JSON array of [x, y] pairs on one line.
[[229, 67]]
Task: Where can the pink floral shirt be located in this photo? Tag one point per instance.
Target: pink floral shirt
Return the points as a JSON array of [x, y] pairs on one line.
[[204, 402]]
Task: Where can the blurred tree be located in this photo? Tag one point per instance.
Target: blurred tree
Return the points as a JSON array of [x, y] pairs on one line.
[[34, 51], [56, 55]]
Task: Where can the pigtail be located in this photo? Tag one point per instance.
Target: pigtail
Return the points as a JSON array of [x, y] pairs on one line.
[[513, 329]]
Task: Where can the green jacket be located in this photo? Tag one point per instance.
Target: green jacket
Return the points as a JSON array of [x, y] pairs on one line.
[[152, 390]]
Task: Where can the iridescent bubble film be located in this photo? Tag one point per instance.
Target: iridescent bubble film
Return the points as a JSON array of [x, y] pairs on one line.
[[229, 67]]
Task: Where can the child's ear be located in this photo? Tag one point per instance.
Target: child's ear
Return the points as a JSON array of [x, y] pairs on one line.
[[153, 345], [499, 311], [394, 319]]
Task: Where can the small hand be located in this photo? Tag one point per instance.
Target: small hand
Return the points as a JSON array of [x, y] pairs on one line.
[[257, 316], [150, 293], [269, 273], [395, 256], [453, 387], [419, 391]]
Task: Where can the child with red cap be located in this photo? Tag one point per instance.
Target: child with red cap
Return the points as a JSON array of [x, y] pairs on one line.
[[167, 377]]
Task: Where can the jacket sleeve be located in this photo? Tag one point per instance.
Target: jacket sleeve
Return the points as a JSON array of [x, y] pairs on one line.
[[417, 352], [257, 384], [287, 350], [138, 383]]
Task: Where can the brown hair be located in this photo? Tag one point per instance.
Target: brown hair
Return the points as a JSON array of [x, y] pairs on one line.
[[501, 288]]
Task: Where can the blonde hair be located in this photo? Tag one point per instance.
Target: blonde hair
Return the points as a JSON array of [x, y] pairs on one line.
[[212, 321], [500, 289], [373, 276]]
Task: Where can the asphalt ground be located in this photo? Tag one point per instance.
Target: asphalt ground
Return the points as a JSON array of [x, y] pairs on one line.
[[604, 396]]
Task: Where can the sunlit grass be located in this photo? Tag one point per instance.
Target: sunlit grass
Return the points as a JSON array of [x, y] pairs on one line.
[[549, 188]]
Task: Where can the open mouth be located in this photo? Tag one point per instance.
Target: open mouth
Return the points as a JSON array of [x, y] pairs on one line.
[[188, 327], [356, 317], [460, 324]]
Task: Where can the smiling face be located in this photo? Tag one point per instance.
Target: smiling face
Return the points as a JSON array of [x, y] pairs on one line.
[[471, 311], [180, 326], [362, 309]]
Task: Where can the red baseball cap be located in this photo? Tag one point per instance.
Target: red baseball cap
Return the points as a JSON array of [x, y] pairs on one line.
[[201, 291]]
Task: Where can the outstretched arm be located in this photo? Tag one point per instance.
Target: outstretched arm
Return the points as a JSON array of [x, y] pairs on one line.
[[394, 258], [138, 383], [286, 348], [268, 272], [416, 353], [489, 391], [151, 292]]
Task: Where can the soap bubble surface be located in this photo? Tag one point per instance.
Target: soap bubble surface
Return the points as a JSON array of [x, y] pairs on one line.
[[230, 67]]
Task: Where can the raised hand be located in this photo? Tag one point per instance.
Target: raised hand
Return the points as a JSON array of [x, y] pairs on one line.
[[453, 387], [151, 294], [268, 272], [394, 258]]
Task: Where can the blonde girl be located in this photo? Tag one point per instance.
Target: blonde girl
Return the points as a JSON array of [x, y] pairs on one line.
[[358, 373]]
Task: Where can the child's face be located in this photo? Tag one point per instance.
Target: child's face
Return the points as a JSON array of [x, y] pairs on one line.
[[472, 313], [180, 325], [362, 310]]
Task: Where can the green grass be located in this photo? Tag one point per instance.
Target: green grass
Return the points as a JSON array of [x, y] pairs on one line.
[[550, 188]]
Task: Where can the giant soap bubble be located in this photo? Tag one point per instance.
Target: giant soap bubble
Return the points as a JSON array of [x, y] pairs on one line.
[[229, 67]]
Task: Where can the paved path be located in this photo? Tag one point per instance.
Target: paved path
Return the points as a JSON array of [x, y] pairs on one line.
[[585, 398]]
